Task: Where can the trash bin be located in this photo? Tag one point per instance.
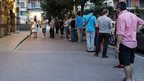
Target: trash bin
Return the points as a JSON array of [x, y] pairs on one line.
[[1, 32]]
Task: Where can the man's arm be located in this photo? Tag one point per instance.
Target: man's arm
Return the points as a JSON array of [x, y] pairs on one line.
[[140, 21], [120, 31], [119, 40]]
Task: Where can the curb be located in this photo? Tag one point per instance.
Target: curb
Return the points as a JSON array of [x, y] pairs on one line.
[[21, 42]]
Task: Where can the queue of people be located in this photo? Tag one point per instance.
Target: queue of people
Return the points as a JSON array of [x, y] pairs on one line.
[[98, 34]]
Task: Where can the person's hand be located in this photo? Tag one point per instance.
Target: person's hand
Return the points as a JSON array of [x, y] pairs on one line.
[[117, 49]]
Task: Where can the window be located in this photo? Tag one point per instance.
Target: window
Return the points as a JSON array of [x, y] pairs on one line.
[[128, 3], [33, 5], [141, 3], [22, 5]]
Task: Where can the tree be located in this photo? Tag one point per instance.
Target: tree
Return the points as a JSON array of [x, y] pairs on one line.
[[56, 7], [61, 7], [82, 3], [97, 2]]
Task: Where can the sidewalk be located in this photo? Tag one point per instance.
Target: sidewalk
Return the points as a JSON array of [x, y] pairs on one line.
[[10, 42]]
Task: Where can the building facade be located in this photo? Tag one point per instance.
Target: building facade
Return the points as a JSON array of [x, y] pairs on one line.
[[7, 17], [132, 3], [23, 11], [34, 9]]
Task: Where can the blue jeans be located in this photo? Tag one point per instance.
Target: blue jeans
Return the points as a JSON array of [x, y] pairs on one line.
[[66, 32], [73, 35], [90, 36]]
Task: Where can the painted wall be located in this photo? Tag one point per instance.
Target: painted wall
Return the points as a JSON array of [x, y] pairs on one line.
[[135, 2], [131, 3]]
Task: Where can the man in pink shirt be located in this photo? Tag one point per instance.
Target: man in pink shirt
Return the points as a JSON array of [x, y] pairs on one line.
[[127, 24]]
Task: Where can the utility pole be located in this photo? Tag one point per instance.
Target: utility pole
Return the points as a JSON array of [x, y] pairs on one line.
[[74, 7]]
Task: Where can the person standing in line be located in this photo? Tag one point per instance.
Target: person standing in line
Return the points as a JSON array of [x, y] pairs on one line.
[[127, 24], [61, 28], [79, 24], [52, 26], [73, 29], [57, 26], [35, 18], [34, 29], [105, 24], [66, 28], [43, 26], [90, 22]]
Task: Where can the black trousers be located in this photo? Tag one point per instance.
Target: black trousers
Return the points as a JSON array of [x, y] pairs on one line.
[[101, 37], [62, 30], [57, 29], [51, 32]]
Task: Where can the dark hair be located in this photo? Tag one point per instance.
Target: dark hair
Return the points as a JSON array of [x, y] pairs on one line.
[[91, 11], [73, 16], [78, 13], [104, 11], [121, 6]]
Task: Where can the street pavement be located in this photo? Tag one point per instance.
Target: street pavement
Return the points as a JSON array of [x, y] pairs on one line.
[[10, 42], [60, 60]]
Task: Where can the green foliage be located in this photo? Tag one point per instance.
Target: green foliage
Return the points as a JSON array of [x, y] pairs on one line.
[[61, 7], [97, 2], [137, 10], [56, 7], [98, 10], [81, 2]]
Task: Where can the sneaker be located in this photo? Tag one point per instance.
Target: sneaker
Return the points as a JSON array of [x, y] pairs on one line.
[[105, 57], [119, 66], [88, 50]]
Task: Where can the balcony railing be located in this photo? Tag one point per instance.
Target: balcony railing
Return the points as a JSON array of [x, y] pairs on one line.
[[34, 5]]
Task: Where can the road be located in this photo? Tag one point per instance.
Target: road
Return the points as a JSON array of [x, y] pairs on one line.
[[60, 60]]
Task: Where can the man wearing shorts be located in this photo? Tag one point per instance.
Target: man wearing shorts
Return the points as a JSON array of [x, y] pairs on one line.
[[127, 24]]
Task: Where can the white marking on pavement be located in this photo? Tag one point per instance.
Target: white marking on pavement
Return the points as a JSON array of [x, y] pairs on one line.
[[140, 57], [49, 52]]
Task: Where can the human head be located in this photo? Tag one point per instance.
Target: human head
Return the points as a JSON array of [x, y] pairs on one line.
[[79, 13], [92, 11], [51, 17], [105, 12], [35, 18], [73, 16], [121, 6]]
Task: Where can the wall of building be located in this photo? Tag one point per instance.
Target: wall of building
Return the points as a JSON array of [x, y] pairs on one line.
[[7, 17], [34, 9], [132, 3]]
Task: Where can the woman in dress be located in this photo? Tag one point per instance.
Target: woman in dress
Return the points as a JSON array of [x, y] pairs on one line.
[[34, 29]]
